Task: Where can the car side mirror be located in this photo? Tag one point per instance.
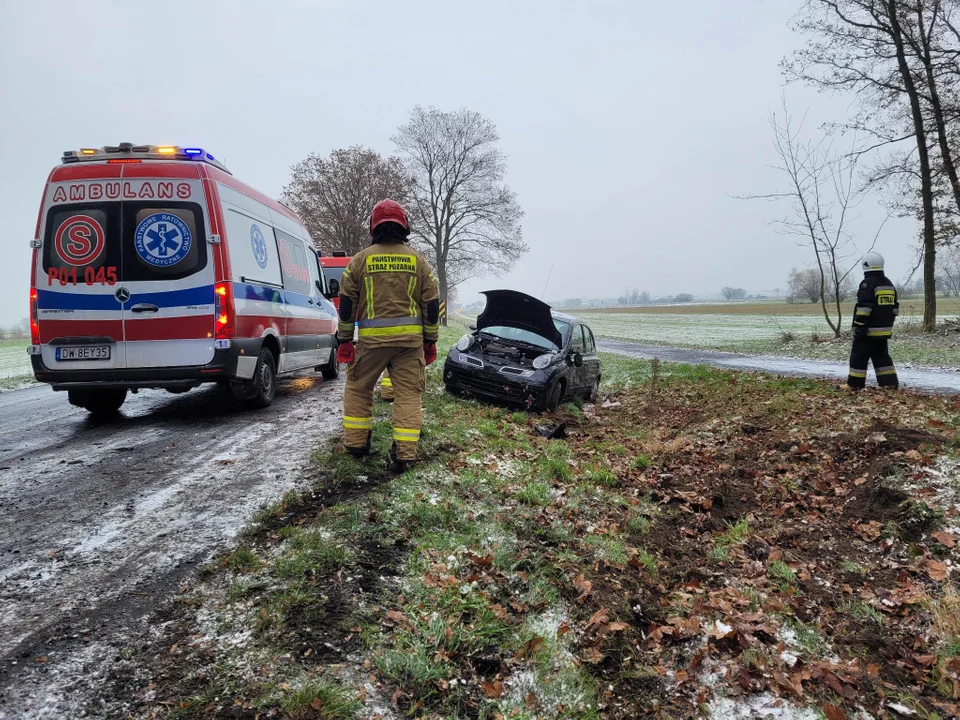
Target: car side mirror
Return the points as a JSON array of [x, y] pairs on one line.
[[334, 289], [473, 327], [578, 359]]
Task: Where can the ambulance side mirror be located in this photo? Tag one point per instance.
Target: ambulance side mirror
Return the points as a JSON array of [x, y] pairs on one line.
[[334, 289]]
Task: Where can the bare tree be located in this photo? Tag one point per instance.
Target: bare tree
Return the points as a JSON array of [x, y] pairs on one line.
[[948, 270], [334, 195], [823, 194], [899, 59], [466, 218], [805, 284], [732, 293], [644, 298]]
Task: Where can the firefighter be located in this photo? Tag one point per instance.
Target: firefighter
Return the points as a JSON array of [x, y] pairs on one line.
[[386, 387], [390, 291], [873, 316]]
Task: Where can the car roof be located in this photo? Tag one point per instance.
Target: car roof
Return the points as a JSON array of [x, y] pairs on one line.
[[334, 261], [566, 318]]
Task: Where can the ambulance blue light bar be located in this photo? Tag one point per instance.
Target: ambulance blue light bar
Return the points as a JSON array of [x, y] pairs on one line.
[[135, 153]]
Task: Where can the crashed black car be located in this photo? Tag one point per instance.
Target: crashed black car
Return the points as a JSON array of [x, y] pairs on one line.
[[522, 352]]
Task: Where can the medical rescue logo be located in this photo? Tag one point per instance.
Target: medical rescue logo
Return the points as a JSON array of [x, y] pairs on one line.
[[80, 240], [162, 240], [259, 246]]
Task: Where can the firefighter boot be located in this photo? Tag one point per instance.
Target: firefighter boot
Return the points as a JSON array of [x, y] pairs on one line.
[[409, 380]]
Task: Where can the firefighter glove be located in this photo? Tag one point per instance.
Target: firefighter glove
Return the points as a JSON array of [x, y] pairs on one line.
[[345, 353], [429, 352]]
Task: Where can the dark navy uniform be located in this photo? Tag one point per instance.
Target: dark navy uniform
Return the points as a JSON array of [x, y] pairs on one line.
[[873, 317]]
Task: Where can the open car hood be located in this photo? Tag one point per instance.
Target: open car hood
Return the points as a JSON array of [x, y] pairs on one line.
[[509, 308]]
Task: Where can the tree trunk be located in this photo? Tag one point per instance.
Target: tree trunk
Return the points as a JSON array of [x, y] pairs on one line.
[[937, 106], [442, 282], [926, 179]]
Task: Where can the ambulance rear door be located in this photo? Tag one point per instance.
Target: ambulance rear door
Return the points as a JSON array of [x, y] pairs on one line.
[[167, 267], [80, 305]]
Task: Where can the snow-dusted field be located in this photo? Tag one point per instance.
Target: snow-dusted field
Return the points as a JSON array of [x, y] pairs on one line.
[[14, 361], [766, 334], [702, 330]]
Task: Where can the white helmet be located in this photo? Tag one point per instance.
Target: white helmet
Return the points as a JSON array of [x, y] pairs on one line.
[[872, 261]]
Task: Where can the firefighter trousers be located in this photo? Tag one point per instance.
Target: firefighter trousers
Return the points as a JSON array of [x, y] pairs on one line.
[[407, 373], [866, 350]]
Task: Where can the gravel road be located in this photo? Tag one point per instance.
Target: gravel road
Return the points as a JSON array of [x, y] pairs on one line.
[[101, 521], [945, 382]]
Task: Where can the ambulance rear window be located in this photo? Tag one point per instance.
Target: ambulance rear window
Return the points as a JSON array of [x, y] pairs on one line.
[[164, 241], [81, 237]]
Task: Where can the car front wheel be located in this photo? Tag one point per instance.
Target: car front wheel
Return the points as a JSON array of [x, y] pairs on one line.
[[555, 396]]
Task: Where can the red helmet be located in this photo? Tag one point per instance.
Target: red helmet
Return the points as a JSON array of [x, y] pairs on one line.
[[388, 211]]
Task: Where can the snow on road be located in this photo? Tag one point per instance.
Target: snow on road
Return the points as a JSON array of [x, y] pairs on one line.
[[99, 522], [945, 382]]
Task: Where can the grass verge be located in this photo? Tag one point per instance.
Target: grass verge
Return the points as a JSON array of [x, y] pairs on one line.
[[706, 537]]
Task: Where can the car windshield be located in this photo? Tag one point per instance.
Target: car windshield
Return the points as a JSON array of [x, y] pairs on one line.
[[525, 336]]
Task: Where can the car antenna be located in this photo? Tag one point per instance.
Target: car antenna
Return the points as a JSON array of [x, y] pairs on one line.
[[549, 274]]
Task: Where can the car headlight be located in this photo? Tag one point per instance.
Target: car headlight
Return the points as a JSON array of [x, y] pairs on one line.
[[543, 361], [464, 343]]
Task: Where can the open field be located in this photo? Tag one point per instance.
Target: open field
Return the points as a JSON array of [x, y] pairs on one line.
[[14, 362], [766, 330], [946, 307], [704, 543]]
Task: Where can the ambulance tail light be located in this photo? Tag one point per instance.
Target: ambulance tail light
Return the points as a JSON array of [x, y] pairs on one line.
[[34, 315], [224, 310]]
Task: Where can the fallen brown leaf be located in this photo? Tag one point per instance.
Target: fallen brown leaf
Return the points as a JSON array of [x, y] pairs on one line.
[[945, 538], [493, 689], [936, 570], [833, 712], [592, 656]]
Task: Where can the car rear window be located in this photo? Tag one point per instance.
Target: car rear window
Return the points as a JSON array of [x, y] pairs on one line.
[[81, 242], [164, 241], [333, 273]]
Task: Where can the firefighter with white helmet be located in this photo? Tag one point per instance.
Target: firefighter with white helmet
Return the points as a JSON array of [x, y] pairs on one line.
[[873, 317], [391, 293]]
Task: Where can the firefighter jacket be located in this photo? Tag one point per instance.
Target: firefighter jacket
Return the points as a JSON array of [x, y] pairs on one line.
[[877, 306], [391, 293]]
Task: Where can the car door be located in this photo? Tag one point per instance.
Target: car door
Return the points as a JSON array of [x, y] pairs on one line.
[[578, 376], [168, 275], [591, 361], [79, 300], [299, 344]]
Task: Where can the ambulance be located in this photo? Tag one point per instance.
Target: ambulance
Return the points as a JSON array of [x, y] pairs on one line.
[[153, 267]]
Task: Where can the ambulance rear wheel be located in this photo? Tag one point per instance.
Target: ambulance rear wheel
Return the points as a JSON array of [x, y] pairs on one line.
[[98, 402], [265, 378]]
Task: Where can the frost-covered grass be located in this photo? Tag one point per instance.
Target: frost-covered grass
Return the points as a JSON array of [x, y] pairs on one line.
[[806, 336], [14, 362]]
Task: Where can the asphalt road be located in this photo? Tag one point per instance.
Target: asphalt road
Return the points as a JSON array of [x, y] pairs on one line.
[[944, 382], [100, 521]]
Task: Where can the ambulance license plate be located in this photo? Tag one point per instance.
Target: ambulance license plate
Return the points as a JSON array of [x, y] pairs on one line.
[[96, 352]]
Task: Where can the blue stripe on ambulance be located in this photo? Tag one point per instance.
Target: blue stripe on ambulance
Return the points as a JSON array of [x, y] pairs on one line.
[[52, 300]]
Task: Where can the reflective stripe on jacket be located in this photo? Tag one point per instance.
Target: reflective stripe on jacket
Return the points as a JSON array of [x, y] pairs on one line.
[[877, 305], [390, 285]]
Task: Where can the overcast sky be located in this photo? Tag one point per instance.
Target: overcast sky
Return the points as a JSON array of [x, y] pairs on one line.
[[627, 125]]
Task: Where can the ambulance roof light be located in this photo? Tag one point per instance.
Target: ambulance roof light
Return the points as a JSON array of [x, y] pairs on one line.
[[136, 153]]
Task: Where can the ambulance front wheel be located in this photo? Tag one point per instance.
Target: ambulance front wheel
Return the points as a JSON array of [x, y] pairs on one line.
[[265, 379], [98, 402]]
